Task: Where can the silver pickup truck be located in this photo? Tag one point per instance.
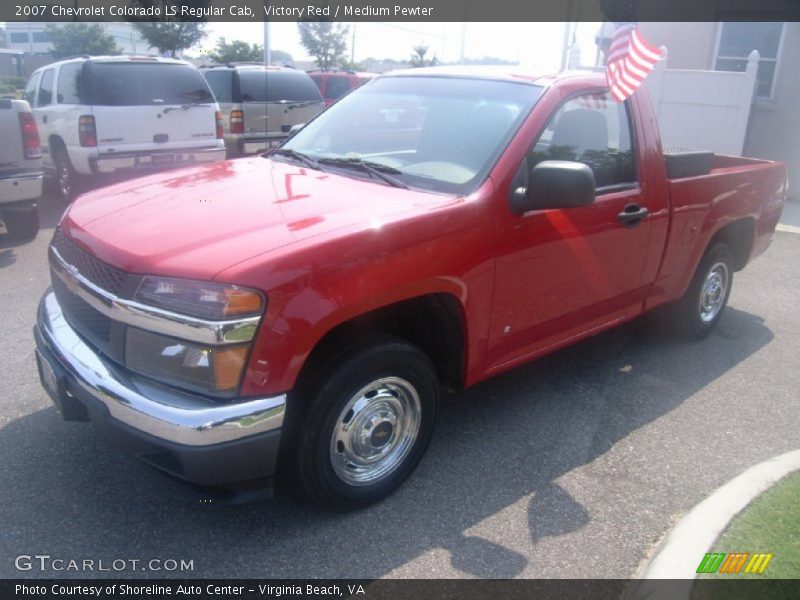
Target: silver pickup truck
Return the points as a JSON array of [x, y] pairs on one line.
[[20, 169]]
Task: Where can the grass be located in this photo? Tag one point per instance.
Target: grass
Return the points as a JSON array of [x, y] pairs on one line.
[[770, 525]]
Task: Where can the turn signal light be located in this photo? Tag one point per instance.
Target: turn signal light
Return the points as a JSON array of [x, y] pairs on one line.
[[239, 301], [228, 366], [30, 135], [237, 121], [87, 133], [220, 125]]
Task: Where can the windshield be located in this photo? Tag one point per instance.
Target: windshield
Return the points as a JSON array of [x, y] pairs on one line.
[[143, 83], [438, 133]]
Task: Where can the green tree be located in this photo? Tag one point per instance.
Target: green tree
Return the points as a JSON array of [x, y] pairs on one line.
[[418, 57], [73, 39], [325, 41], [171, 37], [354, 66], [236, 51]]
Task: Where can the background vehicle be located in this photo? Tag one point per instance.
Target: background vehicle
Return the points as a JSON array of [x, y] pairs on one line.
[[20, 169], [261, 104], [335, 84], [304, 316], [122, 114]]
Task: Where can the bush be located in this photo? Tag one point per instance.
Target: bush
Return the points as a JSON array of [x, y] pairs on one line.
[[8, 89]]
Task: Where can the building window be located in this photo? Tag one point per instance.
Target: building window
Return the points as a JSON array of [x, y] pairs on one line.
[[18, 37], [737, 40], [41, 37]]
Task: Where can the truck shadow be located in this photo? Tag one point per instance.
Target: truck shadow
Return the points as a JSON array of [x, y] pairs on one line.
[[505, 440]]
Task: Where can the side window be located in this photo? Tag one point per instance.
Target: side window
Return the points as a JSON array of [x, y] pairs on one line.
[[337, 87], [69, 83], [592, 129], [46, 89], [30, 90], [220, 81]]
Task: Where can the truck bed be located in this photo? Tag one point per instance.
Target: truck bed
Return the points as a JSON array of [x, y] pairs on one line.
[[710, 191]]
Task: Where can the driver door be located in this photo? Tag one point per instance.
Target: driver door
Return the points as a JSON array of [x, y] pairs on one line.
[[564, 272]]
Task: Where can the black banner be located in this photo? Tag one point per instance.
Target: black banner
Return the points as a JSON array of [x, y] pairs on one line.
[[394, 10], [400, 589]]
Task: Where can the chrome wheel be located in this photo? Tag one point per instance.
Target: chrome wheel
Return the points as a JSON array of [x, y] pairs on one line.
[[64, 180], [713, 292], [375, 431]]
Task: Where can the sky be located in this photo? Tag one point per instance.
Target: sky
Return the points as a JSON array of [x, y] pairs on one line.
[[535, 45]]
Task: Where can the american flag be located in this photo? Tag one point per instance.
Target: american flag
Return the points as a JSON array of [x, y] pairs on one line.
[[630, 60]]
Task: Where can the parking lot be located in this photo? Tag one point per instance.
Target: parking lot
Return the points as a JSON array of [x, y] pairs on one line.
[[574, 466]]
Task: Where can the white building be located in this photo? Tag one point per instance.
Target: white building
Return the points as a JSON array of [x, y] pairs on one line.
[[33, 37]]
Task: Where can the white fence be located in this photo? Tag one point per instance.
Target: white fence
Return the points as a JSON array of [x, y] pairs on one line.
[[702, 110]]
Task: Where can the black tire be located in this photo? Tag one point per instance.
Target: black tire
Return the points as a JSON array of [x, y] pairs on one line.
[[22, 225], [699, 310], [66, 181], [318, 460]]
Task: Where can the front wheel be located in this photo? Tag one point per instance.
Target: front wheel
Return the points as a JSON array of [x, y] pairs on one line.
[[698, 312], [368, 423]]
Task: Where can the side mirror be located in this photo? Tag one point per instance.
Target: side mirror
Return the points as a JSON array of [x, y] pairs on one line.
[[294, 129], [555, 184]]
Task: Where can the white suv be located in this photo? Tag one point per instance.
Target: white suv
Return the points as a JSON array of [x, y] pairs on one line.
[[122, 113]]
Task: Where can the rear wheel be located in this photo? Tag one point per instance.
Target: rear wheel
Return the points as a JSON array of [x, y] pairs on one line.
[[368, 422], [698, 312], [22, 224], [66, 179]]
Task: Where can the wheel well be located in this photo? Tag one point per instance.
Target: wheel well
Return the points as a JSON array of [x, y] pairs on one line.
[[54, 142], [739, 237], [433, 323]]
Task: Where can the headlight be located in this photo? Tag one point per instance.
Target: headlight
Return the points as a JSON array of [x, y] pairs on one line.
[[209, 369], [214, 370], [215, 301]]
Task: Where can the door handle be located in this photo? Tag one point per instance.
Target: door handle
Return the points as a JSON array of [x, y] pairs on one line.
[[633, 214], [44, 118]]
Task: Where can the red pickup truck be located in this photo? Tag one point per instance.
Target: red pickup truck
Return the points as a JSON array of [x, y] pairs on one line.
[[295, 315]]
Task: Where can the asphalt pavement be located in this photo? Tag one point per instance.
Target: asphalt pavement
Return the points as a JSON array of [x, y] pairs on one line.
[[573, 466]]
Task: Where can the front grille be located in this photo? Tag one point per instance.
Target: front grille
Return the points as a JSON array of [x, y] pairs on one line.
[[97, 329], [99, 273], [88, 321]]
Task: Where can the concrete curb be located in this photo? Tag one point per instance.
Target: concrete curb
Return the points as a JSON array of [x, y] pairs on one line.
[[691, 538]]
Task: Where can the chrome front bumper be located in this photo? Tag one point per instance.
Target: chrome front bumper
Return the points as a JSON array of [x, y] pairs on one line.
[[159, 412]]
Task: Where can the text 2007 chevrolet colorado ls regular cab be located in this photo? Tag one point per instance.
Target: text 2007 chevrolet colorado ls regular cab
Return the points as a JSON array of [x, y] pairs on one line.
[[297, 313]]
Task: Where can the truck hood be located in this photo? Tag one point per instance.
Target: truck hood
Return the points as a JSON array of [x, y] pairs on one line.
[[198, 221]]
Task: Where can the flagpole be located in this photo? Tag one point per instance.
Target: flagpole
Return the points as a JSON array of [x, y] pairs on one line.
[[565, 45]]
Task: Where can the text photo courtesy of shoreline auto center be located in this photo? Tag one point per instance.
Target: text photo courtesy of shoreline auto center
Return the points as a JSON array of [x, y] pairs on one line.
[[441, 299]]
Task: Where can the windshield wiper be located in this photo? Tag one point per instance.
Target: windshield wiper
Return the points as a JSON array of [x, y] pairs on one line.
[[303, 158], [379, 170]]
